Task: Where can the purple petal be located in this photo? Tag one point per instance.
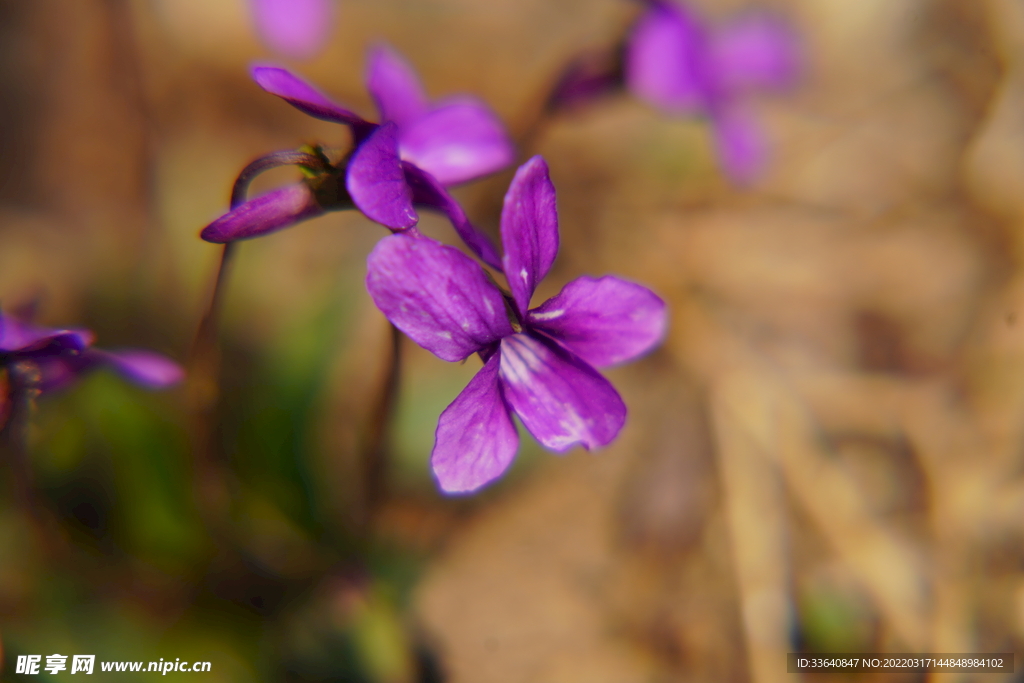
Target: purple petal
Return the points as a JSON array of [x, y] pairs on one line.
[[741, 145], [560, 399], [437, 295], [28, 339], [269, 212], [603, 321], [308, 99], [145, 368], [395, 87], [476, 438], [529, 230], [665, 60], [59, 344], [458, 141], [294, 28], [427, 191], [757, 51], [14, 334], [376, 181]]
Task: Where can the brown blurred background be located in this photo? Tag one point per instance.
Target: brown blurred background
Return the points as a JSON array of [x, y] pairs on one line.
[[824, 456]]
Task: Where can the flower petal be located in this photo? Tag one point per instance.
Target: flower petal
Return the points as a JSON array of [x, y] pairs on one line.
[[757, 51], [308, 99], [741, 145], [145, 368], [428, 192], [560, 399], [62, 343], [376, 181], [436, 294], [665, 60], [264, 214], [476, 439], [395, 87], [603, 321], [457, 141], [30, 340], [529, 230], [294, 28]]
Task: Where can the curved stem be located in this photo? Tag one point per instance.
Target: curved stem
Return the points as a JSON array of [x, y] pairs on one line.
[[212, 478], [207, 332], [273, 160]]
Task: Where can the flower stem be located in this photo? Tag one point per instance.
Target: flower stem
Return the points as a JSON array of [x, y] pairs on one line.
[[23, 380], [377, 445], [212, 477], [209, 324], [289, 157]]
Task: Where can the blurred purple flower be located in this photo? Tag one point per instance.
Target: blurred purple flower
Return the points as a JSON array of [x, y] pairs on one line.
[[538, 363], [294, 28], [410, 159], [62, 355], [679, 65]]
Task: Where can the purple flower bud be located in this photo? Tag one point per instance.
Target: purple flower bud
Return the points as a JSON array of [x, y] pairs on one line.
[[419, 150], [539, 363], [263, 215]]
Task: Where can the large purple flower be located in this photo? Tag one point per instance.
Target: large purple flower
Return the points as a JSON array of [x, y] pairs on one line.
[[62, 355], [676, 63], [538, 363], [411, 158]]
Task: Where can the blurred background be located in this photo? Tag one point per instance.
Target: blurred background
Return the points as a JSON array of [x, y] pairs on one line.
[[824, 456]]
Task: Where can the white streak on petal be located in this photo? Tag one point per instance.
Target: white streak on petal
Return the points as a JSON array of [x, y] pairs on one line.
[[549, 315], [559, 398]]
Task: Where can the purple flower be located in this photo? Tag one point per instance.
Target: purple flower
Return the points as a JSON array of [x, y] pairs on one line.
[[677, 64], [538, 363], [62, 355], [294, 28], [411, 158]]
